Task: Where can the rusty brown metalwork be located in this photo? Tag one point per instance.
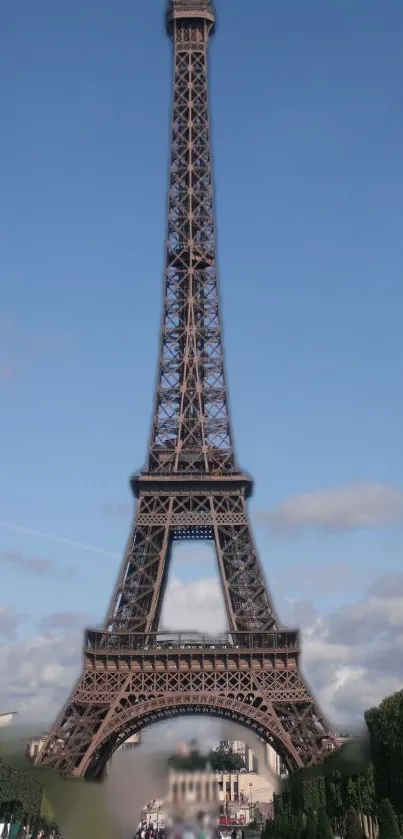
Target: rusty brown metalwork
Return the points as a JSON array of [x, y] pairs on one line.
[[191, 488]]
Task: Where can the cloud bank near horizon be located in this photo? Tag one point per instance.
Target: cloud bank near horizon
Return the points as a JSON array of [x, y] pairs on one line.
[[350, 507], [351, 658]]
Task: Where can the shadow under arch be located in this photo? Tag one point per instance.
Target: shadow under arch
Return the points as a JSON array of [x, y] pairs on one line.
[[131, 720]]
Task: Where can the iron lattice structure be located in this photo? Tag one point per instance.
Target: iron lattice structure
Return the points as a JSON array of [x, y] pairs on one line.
[[191, 488]]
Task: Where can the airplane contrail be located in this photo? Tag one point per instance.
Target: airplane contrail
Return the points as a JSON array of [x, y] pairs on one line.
[[51, 536]]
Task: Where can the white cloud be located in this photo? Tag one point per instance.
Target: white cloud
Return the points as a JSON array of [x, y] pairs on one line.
[[361, 505], [10, 621], [31, 564], [320, 577], [63, 620], [351, 658], [355, 656], [389, 585], [196, 606], [36, 675]]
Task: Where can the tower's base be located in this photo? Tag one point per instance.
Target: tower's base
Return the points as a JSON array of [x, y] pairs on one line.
[[132, 681]]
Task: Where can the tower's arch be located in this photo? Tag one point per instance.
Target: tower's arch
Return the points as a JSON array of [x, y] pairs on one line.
[[262, 721]]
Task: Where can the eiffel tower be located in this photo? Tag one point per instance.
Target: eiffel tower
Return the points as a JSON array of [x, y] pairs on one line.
[[191, 488]]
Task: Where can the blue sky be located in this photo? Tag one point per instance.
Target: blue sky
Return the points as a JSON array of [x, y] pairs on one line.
[[307, 131]]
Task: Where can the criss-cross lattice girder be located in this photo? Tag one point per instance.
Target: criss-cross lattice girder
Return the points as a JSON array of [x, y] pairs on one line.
[[191, 488]]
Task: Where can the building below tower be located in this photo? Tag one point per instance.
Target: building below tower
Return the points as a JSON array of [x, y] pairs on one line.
[[272, 760], [35, 745]]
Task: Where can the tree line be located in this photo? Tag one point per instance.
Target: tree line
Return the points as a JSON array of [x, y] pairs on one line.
[[216, 761], [357, 791], [23, 801], [354, 787]]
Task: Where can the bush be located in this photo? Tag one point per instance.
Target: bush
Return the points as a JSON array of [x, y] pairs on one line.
[[299, 825], [323, 829], [385, 726], [268, 829], [226, 762], [353, 825], [387, 820], [310, 828], [280, 828]]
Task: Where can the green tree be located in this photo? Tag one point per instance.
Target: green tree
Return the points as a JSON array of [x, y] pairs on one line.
[[268, 829], [387, 821], [282, 802], [353, 825], [188, 763], [19, 793], [352, 793], [277, 804], [280, 826], [293, 826], [334, 801], [368, 798], [385, 726], [46, 811], [226, 762], [323, 829], [307, 790], [310, 828], [299, 825], [287, 827]]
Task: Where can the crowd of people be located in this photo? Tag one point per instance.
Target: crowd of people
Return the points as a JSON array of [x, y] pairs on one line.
[[188, 830], [149, 832]]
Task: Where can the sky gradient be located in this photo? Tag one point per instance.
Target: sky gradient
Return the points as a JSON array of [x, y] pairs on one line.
[[307, 132]]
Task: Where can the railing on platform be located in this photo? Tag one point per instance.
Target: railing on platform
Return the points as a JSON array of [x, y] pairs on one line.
[[287, 640]]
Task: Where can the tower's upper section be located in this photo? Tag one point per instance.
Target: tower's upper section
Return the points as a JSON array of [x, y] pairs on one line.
[[190, 10]]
